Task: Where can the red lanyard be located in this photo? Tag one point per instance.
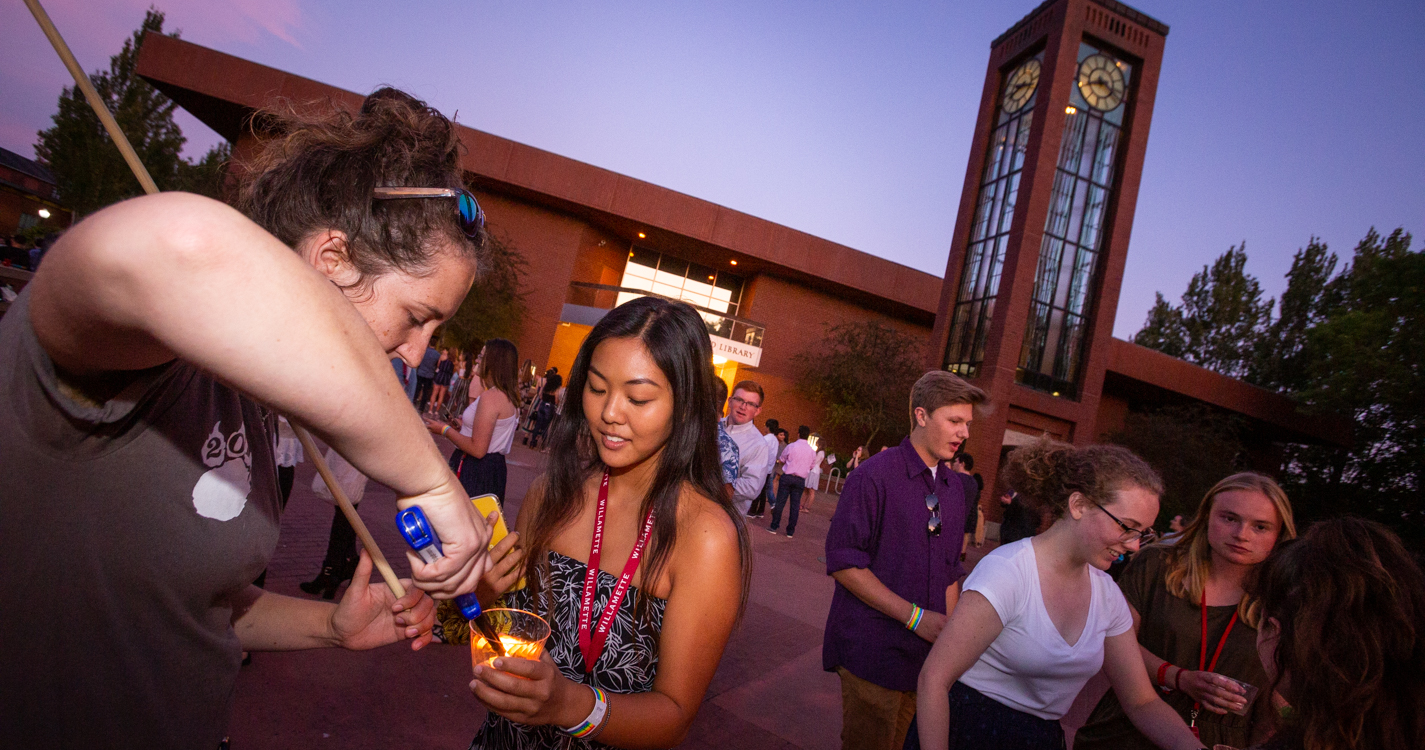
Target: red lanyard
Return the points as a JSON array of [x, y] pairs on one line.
[[591, 645], [1202, 664]]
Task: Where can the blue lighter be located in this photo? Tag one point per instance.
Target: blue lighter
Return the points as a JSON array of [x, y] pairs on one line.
[[417, 531]]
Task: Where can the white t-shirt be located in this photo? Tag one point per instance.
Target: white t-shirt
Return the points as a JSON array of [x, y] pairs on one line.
[[1030, 667]]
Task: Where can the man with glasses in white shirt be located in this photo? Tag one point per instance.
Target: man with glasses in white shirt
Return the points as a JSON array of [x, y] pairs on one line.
[[742, 408]]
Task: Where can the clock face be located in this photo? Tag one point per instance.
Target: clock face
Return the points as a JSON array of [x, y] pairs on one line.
[[1020, 86], [1101, 82]]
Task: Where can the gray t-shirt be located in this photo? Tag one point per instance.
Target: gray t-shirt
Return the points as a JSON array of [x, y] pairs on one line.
[[125, 529]]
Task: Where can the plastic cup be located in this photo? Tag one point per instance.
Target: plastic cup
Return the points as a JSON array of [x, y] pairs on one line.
[[1249, 694], [521, 633]]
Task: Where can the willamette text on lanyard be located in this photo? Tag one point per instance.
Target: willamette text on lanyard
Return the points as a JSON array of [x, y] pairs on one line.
[[591, 644]]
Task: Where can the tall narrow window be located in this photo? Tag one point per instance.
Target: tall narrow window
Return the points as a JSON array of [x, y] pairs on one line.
[[1074, 231], [994, 213]]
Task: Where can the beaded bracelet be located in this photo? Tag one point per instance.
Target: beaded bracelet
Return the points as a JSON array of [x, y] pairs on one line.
[[594, 723], [916, 615]]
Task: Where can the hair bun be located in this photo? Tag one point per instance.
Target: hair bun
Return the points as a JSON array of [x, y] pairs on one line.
[[1048, 472]]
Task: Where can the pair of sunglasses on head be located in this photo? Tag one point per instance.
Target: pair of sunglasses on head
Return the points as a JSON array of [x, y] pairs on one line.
[[472, 217]]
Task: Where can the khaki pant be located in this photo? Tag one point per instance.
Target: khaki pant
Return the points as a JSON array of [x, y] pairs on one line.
[[872, 717]]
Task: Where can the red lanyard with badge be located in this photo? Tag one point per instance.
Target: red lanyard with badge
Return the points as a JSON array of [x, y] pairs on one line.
[[591, 643], [1202, 665]]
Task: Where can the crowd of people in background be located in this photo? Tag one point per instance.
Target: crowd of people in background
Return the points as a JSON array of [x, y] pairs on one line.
[[161, 405], [1183, 625]]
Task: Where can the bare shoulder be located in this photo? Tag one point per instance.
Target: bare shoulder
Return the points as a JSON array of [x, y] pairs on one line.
[[707, 535]]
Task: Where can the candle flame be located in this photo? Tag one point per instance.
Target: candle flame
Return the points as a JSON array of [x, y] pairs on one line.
[[517, 647]]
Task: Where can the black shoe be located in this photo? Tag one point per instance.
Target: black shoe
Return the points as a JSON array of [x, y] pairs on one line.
[[323, 581]]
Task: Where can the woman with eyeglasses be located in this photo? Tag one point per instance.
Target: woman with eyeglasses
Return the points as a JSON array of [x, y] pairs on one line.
[[1196, 624], [632, 549], [145, 366], [1037, 618]]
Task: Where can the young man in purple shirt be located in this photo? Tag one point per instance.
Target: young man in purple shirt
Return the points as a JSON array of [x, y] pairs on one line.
[[894, 550]]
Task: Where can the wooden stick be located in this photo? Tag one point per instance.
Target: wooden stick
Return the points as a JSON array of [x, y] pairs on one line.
[[82, 81], [130, 156], [348, 510]]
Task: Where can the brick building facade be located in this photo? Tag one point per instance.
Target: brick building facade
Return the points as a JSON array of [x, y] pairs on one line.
[[767, 290]]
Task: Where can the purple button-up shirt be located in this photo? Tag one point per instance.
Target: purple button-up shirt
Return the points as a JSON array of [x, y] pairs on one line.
[[880, 524]]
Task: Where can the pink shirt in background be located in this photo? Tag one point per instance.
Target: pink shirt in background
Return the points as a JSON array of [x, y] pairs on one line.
[[798, 459]]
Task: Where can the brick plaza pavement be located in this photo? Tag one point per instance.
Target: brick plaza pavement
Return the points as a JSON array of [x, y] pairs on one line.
[[769, 691]]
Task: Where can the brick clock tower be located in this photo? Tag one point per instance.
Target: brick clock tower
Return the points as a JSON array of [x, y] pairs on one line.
[[1031, 286]]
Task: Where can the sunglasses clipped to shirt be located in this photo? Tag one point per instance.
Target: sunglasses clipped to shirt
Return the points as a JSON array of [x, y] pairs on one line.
[[472, 217]]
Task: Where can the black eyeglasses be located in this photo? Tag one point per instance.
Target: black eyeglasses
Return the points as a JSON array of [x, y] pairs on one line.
[[932, 504], [472, 217], [1145, 537], [744, 402]]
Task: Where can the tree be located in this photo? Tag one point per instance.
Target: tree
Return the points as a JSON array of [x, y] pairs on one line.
[[1280, 359], [861, 374], [495, 306], [1192, 447], [1164, 329], [1364, 358], [1350, 343], [1220, 320], [89, 171]]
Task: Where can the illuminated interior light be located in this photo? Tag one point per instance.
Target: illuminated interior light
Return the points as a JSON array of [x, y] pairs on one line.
[[641, 235], [44, 213], [734, 262], [717, 360], [1070, 110]]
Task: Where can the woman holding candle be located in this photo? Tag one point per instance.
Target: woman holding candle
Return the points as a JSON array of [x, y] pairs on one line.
[[1195, 622], [636, 556], [487, 427], [143, 365], [1039, 617]]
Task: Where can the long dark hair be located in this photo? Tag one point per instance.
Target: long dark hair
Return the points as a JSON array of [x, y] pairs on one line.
[[1350, 601], [677, 339], [499, 369]]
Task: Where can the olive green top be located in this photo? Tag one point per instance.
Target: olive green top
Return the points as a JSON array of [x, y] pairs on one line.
[[1171, 628]]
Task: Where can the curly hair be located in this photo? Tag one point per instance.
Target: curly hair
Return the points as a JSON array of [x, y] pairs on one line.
[[1349, 602], [320, 162], [1189, 561], [1048, 472]]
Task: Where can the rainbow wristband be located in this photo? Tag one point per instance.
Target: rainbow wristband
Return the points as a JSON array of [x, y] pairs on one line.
[[916, 615], [594, 723]]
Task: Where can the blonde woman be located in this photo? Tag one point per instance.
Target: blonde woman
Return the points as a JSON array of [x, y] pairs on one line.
[[1195, 623]]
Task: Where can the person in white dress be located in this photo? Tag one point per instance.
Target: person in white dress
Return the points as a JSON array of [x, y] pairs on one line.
[[814, 477]]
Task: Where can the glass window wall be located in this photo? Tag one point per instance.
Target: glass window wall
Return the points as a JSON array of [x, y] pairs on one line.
[[994, 213], [1084, 181]]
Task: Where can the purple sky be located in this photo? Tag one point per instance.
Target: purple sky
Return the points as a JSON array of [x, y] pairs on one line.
[[851, 121]]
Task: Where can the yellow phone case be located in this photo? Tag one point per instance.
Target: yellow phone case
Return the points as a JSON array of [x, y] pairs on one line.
[[485, 505]]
